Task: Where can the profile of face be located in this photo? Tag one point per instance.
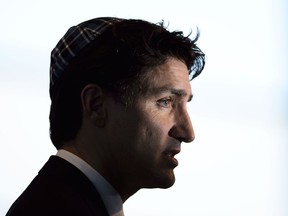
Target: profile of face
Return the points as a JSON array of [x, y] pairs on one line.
[[147, 135]]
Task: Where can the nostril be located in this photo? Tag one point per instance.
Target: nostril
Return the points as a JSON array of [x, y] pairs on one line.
[[186, 140], [181, 139], [182, 134]]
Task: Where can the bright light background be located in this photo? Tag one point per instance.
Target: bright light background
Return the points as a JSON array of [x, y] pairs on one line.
[[237, 165]]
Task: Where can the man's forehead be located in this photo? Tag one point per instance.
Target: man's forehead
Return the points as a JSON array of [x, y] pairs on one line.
[[172, 74]]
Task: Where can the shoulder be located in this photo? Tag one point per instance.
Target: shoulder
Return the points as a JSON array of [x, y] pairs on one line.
[[59, 189]]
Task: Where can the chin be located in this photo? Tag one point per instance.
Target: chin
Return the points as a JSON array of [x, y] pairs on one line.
[[163, 181], [168, 184]]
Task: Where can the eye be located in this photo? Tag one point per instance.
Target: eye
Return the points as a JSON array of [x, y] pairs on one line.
[[165, 102]]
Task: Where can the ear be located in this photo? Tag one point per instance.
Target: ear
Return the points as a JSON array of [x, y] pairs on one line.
[[92, 100]]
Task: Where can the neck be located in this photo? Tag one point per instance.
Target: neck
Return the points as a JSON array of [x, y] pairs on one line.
[[125, 189], [122, 182]]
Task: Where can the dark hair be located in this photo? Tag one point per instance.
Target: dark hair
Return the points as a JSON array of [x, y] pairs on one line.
[[118, 61]]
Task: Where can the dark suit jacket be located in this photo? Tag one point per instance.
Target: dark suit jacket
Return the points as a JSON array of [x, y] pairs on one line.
[[59, 189]]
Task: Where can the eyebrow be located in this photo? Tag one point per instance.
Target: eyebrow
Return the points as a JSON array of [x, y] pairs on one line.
[[177, 92], [181, 93]]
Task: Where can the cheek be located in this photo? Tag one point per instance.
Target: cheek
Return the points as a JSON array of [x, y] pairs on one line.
[[160, 124], [154, 133], [149, 131]]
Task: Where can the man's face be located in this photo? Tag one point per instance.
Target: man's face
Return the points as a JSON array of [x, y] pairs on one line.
[[147, 135]]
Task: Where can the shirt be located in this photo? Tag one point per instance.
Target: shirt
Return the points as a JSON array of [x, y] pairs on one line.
[[109, 195]]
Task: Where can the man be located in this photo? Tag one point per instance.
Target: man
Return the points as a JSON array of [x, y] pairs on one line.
[[119, 90]]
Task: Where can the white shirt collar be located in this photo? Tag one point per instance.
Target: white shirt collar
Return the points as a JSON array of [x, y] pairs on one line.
[[109, 195]]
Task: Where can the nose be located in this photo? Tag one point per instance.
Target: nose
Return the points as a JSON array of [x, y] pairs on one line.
[[182, 129]]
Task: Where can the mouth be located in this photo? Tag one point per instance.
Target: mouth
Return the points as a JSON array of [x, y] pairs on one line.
[[170, 156]]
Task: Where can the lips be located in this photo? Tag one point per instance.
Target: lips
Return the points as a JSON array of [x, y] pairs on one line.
[[172, 152], [169, 154]]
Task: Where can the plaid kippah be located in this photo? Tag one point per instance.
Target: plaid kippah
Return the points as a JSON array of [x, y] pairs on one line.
[[75, 39]]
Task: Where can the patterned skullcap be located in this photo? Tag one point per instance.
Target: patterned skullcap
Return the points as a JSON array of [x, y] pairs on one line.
[[75, 39]]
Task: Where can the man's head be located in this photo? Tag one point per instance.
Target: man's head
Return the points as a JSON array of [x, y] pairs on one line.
[[118, 60], [135, 76]]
